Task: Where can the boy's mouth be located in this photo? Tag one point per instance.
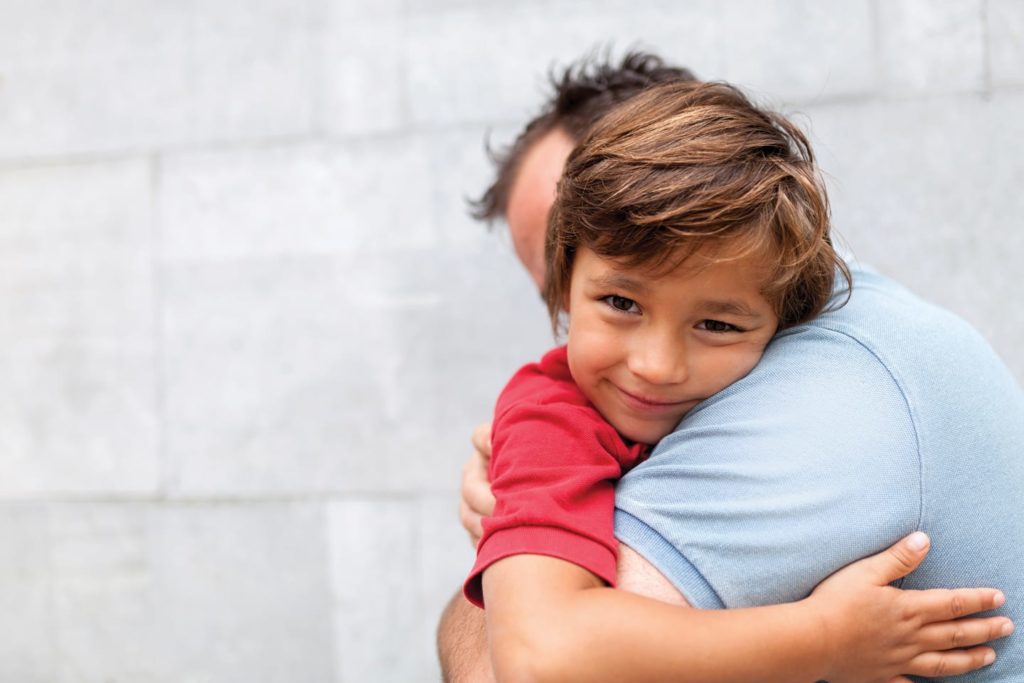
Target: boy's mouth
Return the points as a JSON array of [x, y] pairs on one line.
[[651, 404]]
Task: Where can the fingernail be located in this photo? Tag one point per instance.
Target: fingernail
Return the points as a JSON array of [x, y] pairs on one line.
[[998, 599], [917, 540], [989, 658], [1007, 628]]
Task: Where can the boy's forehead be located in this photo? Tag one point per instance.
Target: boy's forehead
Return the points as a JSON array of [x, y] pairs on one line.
[[690, 261]]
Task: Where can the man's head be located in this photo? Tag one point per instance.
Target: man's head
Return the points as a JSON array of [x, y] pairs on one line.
[[528, 171], [688, 166]]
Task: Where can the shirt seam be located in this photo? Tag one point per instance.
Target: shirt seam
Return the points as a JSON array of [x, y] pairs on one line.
[[910, 412], [655, 559]]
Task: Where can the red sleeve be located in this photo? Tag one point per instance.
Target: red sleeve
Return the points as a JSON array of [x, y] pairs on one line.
[[553, 470]]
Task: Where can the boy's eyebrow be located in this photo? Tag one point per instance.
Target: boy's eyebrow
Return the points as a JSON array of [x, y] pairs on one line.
[[620, 281], [729, 307]]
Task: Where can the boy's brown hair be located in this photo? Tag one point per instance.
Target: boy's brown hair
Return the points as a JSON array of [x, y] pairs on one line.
[[688, 164]]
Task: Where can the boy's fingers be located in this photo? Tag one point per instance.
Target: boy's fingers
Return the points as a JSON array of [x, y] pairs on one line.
[[482, 440], [899, 560], [943, 604], [470, 522], [964, 633], [476, 500], [476, 489], [952, 663]]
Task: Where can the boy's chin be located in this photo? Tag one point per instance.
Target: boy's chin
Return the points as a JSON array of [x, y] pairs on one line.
[[646, 434]]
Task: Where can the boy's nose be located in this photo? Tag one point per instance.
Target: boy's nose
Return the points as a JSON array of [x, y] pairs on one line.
[[660, 363]]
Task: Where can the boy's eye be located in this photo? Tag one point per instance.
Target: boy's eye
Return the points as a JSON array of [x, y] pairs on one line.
[[621, 303], [718, 326]]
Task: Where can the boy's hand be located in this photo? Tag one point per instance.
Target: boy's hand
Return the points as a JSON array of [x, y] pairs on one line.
[[870, 627], [477, 500]]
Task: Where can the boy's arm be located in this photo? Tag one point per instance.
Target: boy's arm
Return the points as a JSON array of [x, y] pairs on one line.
[[549, 620], [462, 632]]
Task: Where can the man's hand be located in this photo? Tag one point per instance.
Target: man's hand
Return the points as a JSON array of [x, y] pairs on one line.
[[477, 500]]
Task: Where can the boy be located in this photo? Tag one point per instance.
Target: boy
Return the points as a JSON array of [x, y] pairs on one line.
[[688, 228]]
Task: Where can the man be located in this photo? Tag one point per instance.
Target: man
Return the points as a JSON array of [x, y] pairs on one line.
[[882, 417], [528, 171]]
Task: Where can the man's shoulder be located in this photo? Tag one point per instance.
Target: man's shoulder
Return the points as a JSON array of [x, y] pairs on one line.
[[831, 386], [884, 326], [877, 312], [867, 375]]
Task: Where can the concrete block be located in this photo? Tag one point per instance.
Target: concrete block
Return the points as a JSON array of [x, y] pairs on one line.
[[247, 203], [382, 190], [460, 171], [374, 574], [1005, 23], [798, 50], [288, 200], [191, 593], [27, 622], [446, 558], [489, 62], [464, 321], [258, 69], [124, 76], [355, 10], [396, 565], [926, 192], [349, 374], [931, 47], [77, 303], [365, 87], [487, 322], [260, 360]]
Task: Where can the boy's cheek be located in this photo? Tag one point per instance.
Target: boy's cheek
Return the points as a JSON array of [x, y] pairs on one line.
[[590, 357], [738, 366]]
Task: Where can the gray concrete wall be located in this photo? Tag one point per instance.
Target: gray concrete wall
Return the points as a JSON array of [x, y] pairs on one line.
[[247, 327]]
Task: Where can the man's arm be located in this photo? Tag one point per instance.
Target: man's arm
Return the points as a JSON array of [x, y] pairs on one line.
[[462, 643], [637, 575]]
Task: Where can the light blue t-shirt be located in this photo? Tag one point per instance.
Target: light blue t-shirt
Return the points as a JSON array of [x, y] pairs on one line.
[[876, 419]]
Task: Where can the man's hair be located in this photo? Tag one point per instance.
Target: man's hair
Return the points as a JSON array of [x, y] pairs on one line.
[[686, 164], [581, 94]]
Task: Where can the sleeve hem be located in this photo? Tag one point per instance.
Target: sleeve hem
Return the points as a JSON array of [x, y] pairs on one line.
[[668, 560], [555, 542]]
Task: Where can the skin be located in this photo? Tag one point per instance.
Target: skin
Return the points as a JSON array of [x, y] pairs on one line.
[[522, 613], [531, 196], [646, 349], [550, 620], [462, 633]]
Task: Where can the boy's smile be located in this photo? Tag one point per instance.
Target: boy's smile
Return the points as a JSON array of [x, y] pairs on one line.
[[645, 349]]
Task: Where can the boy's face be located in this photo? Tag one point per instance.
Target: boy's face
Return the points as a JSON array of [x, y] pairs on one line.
[[646, 349]]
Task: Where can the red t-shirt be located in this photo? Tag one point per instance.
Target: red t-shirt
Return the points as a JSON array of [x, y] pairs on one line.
[[553, 469]]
